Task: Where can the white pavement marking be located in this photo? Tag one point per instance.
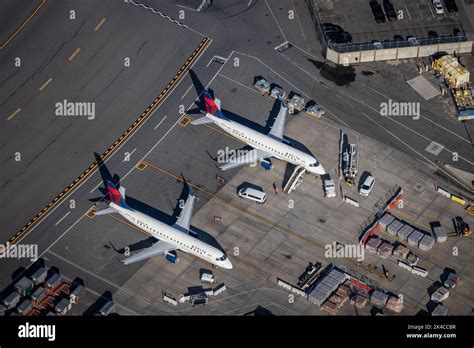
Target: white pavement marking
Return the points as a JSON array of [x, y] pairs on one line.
[[120, 146], [61, 219], [159, 123], [408, 12], [278, 24], [189, 88], [434, 148], [423, 117], [411, 148], [118, 287]]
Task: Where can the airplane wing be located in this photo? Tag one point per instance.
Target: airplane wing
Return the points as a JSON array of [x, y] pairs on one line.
[[247, 158], [158, 248], [279, 125], [184, 218]]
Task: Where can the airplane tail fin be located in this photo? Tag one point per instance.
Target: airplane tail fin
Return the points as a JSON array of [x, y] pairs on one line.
[[213, 106], [116, 196]]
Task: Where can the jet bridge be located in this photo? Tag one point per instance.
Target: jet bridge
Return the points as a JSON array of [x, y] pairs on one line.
[[295, 180]]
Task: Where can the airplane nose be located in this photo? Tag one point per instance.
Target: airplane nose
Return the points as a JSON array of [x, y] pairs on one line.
[[228, 265]]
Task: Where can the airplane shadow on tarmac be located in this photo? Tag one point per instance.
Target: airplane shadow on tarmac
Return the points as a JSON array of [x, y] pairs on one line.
[[150, 211]]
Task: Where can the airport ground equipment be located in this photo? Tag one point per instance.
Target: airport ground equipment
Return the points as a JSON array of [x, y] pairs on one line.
[[295, 180]]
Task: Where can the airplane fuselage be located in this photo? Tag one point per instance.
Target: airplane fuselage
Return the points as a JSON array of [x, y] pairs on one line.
[[174, 235], [269, 144]]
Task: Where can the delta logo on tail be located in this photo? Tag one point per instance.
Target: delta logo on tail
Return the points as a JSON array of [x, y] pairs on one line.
[[114, 195], [211, 106]]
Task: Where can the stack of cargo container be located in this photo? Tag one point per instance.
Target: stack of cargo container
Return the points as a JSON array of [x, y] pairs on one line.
[[426, 243], [385, 250], [379, 299], [414, 238], [440, 310], [405, 232], [395, 304], [386, 220], [372, 244], [394, 227], [401, 252]]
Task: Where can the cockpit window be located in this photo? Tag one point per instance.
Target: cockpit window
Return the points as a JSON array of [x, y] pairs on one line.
[[223, 258], [315, 164]]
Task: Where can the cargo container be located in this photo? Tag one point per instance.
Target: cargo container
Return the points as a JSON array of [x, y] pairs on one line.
[[385, 250], [317, 297], [405, 232], [386, 220], [38, 294], [39, 275], [63, 306], [414, 238], [404, 265], [76, 293], [24, 286], [373, 244], [53, 281], [321, 287], [451, 281], [401, 252], [412, 259], [330, 282], [440, 294], [12, 300], [395, 304], [440, 310], [394, 228], [329, 307], [426, 243], [25, 307], [339, 276], [440, 234], [378, 298], [107, 308]]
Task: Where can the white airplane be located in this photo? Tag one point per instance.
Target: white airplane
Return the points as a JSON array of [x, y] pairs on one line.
[[264, 145], [170, 238]]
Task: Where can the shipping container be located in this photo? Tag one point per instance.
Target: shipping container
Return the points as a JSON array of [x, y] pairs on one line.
[[107, 308], [25, 307], [386, 220], [53, 281], [394, 227], [378, 298], [414, 238], [38, 294], [426, 243], [12, 300], [440, 310], [405, 232], [440, 234], [39, 275], [24, 286]]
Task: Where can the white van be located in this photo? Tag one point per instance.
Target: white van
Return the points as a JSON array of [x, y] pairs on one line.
[[253, 194]]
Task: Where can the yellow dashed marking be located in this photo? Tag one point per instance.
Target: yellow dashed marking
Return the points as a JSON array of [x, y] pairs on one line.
[[74, 54], [13, 114], [101, 22], [44, 85]]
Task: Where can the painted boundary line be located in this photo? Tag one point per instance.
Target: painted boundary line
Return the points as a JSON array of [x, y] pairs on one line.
[[202, 45], [22, 25]]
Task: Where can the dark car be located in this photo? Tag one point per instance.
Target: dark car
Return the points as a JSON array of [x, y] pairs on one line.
[[390, 10], [398, 38], [451, 5], [432, 34], [377, 11]]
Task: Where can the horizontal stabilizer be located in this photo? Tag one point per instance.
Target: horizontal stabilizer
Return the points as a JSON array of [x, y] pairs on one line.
[[202, 120], [106, 211]]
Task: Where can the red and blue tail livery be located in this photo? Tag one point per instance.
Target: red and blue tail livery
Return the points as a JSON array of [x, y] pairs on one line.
[[212, 106], [114, 195]]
